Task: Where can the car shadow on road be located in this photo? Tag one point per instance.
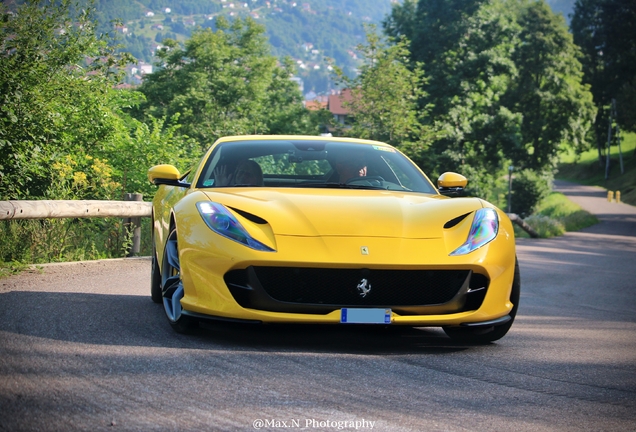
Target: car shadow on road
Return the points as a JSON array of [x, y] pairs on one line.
[[129, 320]]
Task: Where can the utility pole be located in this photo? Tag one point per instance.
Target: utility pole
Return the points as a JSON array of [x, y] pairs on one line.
[[609, 140], [612, 117]]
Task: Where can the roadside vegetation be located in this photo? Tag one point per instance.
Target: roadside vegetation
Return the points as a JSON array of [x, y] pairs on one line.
[[555, 215], [467, 86]]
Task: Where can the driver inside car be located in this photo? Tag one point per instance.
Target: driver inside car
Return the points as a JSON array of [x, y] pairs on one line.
[[349, 165]]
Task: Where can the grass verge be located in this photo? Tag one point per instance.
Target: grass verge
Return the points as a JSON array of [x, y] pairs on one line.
[[555, 215]]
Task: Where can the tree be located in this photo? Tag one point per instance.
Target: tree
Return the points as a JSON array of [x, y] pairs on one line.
[[223, 82], [503, 80], [56, 81], [557, 108], [466, 47], [385, 94], [604, 31]]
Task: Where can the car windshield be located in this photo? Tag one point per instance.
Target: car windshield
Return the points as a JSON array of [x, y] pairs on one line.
[[311, 164]]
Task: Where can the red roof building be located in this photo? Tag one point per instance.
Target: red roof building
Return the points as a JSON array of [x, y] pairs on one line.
[[335, 105]]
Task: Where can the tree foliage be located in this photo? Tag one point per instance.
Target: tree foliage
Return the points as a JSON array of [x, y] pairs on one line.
[[56, 78], [385, 94], [503, 79], [556, 107], [224, 82], [604, 29], [467, 55]]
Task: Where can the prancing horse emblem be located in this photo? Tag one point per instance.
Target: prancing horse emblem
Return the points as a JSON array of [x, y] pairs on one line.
[[364, 287]]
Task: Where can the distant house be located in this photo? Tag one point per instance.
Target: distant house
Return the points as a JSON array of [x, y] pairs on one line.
[[145, 69], [315, 105], [167, 10], [335, 105], [150, 14], [157, 47]]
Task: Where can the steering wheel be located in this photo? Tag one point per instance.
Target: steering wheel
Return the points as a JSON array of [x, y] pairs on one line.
[[375, 181]]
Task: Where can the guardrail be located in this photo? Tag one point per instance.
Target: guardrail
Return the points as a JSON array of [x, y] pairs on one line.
[[132, 208], [43, 209]]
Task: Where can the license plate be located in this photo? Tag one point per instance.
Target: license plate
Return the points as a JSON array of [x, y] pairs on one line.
[[365, 316]]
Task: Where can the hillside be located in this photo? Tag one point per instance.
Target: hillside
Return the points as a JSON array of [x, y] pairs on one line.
[[315, 33]]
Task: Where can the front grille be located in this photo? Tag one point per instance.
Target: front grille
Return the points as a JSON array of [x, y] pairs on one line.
[[340, 286], [323, 290]]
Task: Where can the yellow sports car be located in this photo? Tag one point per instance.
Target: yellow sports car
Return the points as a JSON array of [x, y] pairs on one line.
[[302, 229]]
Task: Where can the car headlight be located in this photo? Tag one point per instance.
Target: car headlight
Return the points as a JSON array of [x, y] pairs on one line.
[[222, 222], [483, 230]]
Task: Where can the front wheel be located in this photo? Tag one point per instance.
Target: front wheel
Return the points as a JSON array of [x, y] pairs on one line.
[[172, 287], [486, 335]]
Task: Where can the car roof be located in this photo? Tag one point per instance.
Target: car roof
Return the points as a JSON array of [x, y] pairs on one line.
[[299, 137]]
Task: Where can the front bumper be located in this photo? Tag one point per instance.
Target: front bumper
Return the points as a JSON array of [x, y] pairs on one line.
[[220, 284]]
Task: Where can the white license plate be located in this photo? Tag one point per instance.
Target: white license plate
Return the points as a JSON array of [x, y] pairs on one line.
[[365, 316]]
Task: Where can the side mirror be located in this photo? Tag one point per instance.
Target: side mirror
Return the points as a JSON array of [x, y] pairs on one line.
[[165, 174], [451, 184]]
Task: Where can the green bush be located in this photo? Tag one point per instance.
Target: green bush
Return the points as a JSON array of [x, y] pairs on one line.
[[528, 189]]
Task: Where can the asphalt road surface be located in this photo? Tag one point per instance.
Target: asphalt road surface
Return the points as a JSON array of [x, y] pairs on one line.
[[82, 347]]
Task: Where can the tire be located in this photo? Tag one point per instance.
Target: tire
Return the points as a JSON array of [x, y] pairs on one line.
[[484, 335], [172, 287]]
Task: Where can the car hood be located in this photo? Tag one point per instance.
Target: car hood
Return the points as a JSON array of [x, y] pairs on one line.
[[350, 213]]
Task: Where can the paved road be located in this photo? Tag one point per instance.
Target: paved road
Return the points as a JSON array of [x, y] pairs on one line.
[[82, 347], [616, 218]]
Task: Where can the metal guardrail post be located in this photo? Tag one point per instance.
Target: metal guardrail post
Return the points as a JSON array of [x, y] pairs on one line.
[[134, 224]]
